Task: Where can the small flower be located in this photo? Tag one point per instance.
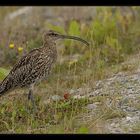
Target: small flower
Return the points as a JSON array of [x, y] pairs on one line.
[[66, 96], [11, 45], [20, 49]]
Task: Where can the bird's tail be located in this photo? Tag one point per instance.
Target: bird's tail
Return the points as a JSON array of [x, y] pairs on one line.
[[5, 85]]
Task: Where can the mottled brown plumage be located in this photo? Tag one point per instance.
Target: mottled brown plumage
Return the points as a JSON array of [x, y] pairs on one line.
[[35, 66]]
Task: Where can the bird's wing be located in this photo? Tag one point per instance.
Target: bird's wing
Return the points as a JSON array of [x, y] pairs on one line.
[[21, 69], [28, 59]]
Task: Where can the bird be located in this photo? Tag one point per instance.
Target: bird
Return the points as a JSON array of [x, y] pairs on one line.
[[36, 65]]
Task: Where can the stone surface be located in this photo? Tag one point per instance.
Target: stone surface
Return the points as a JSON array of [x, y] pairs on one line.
[[127, 87]]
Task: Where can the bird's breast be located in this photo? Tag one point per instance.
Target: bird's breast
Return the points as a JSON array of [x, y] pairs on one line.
[[49, 60]]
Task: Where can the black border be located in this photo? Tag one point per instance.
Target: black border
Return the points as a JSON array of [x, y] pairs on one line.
[[70, 136], [69, 2]]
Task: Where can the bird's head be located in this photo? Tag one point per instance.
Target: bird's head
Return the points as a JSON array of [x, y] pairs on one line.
[[53, 36]]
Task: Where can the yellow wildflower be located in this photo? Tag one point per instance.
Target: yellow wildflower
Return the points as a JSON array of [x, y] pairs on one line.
[[20, 49], [11, 45]]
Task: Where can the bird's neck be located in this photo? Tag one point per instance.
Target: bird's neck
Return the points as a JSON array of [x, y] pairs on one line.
[[51, 45]]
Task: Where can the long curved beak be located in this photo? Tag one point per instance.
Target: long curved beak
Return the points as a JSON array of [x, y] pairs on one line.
[[74, 38]]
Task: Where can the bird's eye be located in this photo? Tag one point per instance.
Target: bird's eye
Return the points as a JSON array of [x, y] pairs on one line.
[[53, 34]]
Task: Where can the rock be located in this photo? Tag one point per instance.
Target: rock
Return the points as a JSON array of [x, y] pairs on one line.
[[78, 97], [91, 106], [72, 91], [56, 98], [128, 118]]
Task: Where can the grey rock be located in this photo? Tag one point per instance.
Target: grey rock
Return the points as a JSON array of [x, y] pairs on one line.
[[56, 98], [91, 106]]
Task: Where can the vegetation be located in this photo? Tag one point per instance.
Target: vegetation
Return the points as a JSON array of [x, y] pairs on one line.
[[113, 37]]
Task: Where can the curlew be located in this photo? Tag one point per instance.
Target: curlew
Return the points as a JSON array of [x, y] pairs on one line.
[[35, 66]]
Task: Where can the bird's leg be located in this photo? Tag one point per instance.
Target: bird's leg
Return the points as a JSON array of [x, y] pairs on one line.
[[30, 97], [26, 103]]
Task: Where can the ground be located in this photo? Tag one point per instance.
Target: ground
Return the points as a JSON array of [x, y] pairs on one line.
[[111, 105], [121, 98]]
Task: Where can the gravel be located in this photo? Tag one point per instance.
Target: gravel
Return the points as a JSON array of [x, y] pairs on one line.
[[128, 89]]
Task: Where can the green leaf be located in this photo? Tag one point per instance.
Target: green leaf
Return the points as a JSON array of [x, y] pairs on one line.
[[98, 31], [83, 129], [56, 28], [74, 29], [3, 73]]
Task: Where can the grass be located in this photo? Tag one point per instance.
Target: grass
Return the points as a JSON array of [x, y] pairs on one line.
[[48, 115], [65, 116], [112, 44], [56, 117]]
